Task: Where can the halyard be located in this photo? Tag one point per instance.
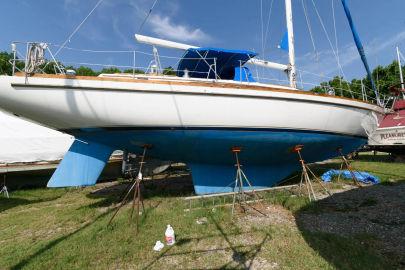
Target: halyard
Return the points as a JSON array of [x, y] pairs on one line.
[[356, 228]]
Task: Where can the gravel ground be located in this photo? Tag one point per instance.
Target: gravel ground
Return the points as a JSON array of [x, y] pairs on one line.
[[377, 211]]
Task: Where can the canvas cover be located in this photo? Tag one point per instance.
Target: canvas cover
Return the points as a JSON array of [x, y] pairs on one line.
[[200, 62], [24, 141]]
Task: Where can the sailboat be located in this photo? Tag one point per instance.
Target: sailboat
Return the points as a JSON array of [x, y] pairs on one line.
[[212, 105], [390, 134]]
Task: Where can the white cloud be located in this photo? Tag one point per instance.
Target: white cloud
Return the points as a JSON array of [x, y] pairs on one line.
[[164, 26], [348, 55], [126, 40], [136, 10], [378, 45], [71, 6]]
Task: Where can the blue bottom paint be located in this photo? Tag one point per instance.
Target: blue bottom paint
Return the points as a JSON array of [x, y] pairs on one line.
[[217, 179], [81, 165], [266, 154]]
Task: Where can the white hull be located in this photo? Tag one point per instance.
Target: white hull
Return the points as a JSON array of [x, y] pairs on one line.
[[390, 136], [107, 102]]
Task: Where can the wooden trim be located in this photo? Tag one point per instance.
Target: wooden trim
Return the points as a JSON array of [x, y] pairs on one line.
[[191, 83]]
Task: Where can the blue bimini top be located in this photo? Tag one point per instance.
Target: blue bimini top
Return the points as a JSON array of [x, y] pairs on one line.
[[200, 62]]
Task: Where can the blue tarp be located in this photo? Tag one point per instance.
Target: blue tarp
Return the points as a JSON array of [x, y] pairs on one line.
[[200, 62], [363, 177]]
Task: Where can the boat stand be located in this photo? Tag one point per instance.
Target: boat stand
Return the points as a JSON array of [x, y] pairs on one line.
[[239, 193], [136, 188], [348, 167], [305, 179], [4, 189]]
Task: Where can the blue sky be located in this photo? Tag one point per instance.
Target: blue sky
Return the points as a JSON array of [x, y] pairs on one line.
[[233, 24]]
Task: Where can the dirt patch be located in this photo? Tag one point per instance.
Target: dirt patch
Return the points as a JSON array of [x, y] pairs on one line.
[[263, 214]]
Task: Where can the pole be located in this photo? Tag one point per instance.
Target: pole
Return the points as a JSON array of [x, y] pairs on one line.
[[133, 63], [360, 49], [291, 53], [14, 50], [400, 69]]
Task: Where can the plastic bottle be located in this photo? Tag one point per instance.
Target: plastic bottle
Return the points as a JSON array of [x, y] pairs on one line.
[[169, 234]]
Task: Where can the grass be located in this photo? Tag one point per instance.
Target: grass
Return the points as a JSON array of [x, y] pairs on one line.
[[382, 166], [67, 229]]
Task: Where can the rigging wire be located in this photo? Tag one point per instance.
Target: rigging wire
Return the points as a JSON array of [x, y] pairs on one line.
[[336, 44], [329, 40], [324, 77], [308, 22], [310, 30], [265, 35], [334, 26], [78, 27], [262, 25], [262, 34], [326, 34], [268, 25], [147, 16], [402, 56]]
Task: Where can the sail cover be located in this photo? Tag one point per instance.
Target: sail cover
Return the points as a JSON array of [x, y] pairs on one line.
[[203, 62]]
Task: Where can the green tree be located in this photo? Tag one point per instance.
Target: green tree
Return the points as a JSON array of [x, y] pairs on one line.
[[337, 84], [384, 78], [6, 68], [169, 71], [111, 70], [84, 71], [51, 67], [136, 71]]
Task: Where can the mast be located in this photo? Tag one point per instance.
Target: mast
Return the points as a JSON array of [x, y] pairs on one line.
[[291, 53], [400, 69], [360, 49]]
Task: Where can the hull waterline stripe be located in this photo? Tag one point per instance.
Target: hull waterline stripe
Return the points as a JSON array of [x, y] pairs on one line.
[[88, 130]]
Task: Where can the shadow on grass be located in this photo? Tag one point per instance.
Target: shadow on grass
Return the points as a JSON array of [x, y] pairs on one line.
[[361, 228], [374, 158], [8, 203], [243, 255], [53, 243], [166, 187]]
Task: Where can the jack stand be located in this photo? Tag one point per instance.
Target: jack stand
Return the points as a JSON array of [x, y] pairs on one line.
[[240, 178], [4, 189], [305, 177], [137, 200], [348, 167]]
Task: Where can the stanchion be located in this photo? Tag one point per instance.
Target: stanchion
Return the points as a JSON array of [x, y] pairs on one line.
[[136, 188], [305, 179]]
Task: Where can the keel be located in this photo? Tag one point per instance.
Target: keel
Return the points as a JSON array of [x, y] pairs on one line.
[[82, 165]]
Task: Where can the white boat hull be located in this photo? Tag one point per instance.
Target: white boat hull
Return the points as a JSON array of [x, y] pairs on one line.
[[71, 104]]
